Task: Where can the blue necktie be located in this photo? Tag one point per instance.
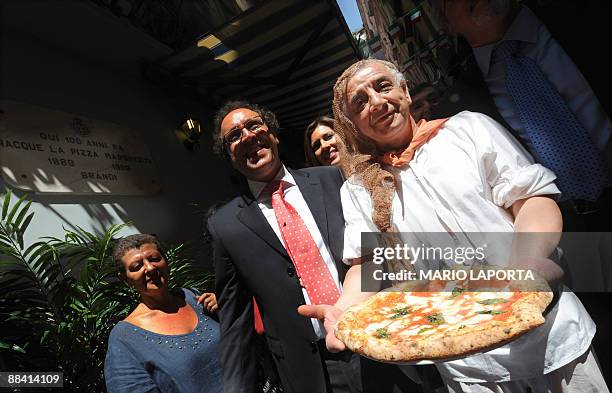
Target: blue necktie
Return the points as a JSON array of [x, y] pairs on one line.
[[561, 142]]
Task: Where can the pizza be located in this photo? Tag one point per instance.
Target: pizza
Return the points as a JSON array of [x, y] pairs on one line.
[[443, 319]]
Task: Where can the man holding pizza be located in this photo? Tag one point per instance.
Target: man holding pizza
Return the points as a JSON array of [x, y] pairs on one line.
[[456, 175], [280, 243]]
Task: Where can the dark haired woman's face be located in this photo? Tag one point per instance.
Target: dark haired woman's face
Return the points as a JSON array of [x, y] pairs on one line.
[[145, 269], [324, 145]]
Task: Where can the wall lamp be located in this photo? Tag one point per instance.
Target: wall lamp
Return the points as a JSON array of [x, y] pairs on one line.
[[189, 133]]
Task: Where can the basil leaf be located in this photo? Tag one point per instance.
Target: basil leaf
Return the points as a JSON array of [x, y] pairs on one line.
[[456, 292], [491, 312], [424, 330], [400, 312], [497, 300], [436, 318], [382, 333]]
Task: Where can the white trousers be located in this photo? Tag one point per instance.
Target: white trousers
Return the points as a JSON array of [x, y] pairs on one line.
[[582, 375]]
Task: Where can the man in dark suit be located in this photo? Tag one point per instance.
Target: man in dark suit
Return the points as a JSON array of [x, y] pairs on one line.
[[252, 247]]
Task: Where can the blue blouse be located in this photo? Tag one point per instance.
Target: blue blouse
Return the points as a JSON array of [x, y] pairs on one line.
[[138, 360]]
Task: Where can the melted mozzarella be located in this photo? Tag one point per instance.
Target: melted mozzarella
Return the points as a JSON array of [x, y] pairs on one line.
[[476, 319], [395, 326], [372, 327], [480, 296], [417, 300], [411, 332], [453, 319]]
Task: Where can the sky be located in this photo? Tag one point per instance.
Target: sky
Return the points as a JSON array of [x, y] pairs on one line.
[[351, 14]]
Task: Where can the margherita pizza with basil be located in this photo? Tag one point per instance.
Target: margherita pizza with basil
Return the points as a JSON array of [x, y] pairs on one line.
[[401, 326]]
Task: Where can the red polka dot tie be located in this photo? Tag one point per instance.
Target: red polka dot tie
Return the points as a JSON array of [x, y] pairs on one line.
[[309, 264]]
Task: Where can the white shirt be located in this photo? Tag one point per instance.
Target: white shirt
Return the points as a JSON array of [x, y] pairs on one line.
[[543, 49], [294, 197], [461, 181]]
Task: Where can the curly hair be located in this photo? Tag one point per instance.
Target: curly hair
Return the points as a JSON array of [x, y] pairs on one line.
[[133, 242], [268, 117]]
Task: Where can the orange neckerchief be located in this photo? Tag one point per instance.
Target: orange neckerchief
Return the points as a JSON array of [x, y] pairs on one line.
[[422, 131]]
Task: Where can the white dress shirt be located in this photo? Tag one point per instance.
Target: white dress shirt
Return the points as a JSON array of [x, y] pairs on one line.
[[464, 180], [538, 45], [294, 197]]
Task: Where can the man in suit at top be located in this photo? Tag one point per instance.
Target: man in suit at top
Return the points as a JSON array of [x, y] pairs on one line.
[[561, 40], [545, 99], [281, 243]]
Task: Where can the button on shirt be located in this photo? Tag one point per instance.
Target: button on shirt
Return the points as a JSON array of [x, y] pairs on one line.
[[538, 44], [463, 180], [294, 197]]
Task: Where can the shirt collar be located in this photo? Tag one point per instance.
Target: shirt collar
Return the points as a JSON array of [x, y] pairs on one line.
[[524, 28], [283, 174]]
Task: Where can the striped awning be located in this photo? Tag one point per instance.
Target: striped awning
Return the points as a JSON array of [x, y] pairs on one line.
[[283, 54]]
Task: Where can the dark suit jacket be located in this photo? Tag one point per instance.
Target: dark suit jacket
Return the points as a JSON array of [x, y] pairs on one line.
[[251, 261], [582, 30]]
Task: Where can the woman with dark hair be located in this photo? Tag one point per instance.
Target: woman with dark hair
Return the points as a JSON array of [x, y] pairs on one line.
[[321, 144], [168, 343]]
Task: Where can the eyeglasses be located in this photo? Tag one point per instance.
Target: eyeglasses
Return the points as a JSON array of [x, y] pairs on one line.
[[235, 135]]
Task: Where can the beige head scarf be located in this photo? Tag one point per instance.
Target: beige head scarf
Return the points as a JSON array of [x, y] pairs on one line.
[[363, 161]]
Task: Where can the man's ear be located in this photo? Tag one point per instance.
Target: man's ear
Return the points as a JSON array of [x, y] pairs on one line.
[[404, 87]]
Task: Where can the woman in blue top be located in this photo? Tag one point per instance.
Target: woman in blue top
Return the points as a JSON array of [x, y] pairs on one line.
[[167, 344]]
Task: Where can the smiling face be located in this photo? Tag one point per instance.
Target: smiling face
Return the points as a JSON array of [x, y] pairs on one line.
[[324, 145], [145, 269], [255, 154], [379, 107]]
